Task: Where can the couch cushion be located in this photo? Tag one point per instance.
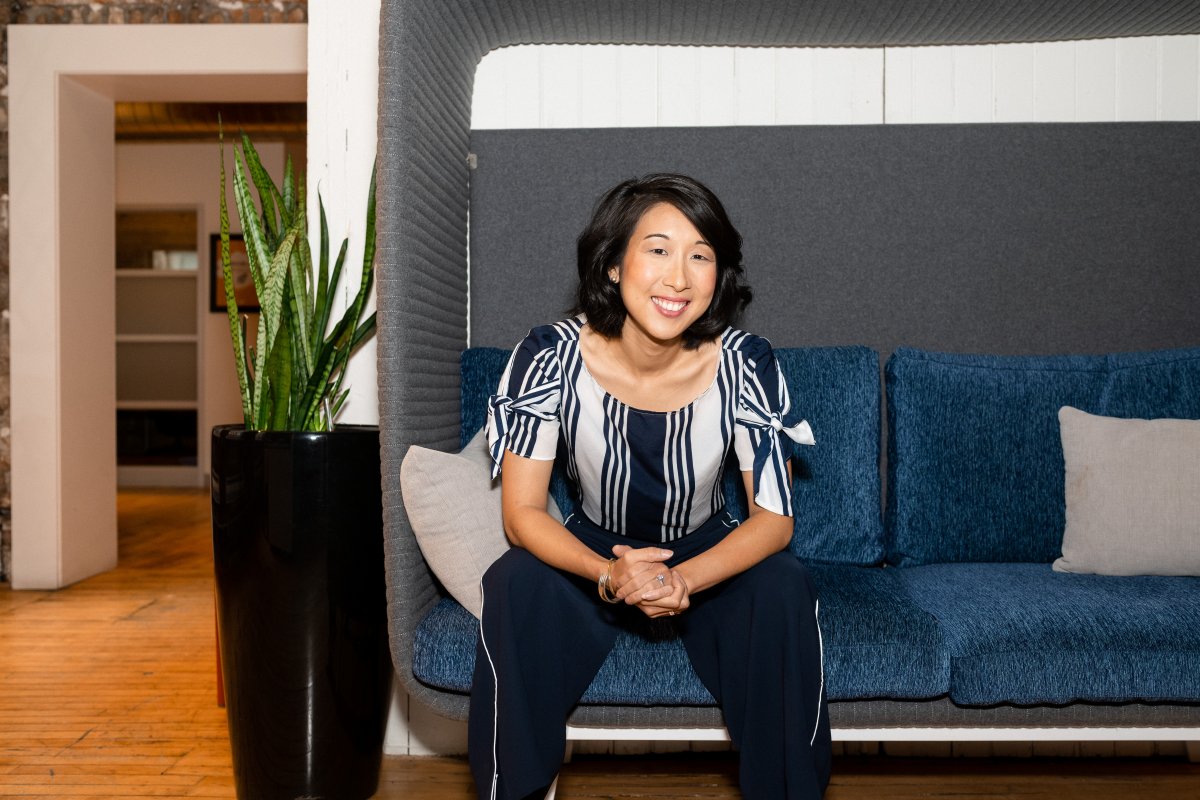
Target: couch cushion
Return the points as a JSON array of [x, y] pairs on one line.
[[877, 643], [1022, 633], [975, 460], [835, 484], [1132, 495]]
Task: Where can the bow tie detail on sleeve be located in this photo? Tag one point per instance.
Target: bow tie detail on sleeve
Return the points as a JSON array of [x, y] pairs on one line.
[[770, 448], [541, 403]]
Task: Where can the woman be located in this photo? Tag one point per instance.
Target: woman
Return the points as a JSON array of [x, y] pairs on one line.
[[648, 389]]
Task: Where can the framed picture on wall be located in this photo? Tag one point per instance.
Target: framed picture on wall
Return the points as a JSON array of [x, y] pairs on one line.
[[243, 283]]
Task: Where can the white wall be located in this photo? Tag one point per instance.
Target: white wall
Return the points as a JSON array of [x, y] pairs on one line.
[[187, 176]]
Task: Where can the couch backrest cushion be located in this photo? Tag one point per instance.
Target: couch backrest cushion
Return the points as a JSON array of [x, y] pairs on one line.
[[975, 462], [835, 484]]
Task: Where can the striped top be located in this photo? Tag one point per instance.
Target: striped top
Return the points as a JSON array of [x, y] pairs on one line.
[[650, 475]]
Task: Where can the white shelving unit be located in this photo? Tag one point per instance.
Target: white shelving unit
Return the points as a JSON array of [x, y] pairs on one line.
[[159, 366]]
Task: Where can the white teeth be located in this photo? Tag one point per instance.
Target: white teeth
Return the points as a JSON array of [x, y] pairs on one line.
[[668, 305]]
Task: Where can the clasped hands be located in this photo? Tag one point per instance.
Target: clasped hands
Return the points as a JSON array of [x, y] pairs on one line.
[[641, 578]]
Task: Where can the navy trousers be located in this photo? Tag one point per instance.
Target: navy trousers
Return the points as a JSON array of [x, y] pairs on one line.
[[754, 641]]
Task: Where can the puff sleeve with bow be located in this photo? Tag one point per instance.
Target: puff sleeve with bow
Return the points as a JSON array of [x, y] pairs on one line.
[[523, 414], [767, 428]]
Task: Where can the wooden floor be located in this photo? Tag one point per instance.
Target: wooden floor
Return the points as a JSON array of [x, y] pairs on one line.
[[107, 690]]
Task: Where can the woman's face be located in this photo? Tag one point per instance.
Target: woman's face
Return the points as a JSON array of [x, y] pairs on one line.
[[667, 276]]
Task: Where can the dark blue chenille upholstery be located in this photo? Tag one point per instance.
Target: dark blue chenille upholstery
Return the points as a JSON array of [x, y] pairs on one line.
[[836, 483], [1023, 633], [976, 475], [975, 463], [878, 643]]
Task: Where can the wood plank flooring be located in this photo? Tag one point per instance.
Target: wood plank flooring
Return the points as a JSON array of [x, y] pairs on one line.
[[107, 690]]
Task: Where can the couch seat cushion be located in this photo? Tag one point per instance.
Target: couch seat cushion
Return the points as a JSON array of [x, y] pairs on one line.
[[877, 644], [1022, 633]]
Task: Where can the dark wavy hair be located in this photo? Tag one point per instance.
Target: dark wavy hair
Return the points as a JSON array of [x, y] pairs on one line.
[[602, 246]]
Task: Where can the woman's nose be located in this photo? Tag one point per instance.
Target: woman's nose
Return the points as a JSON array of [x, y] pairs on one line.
[[676, 276]]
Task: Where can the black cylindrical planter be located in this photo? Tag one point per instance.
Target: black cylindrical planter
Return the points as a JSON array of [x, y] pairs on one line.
[[302, 615]]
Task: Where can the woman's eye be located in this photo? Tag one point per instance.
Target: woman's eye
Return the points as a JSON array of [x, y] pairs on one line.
[[658, 251], [701, 257]]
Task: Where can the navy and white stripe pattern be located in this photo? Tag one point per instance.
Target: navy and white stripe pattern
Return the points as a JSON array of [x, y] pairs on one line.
[[650, 475]]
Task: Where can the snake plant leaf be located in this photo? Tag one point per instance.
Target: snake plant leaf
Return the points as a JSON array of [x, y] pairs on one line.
[[364, 330], [318, 383], [236, 331], [368, 274], [289, 189], [268, 195], [320, 318], [271, 308], [258, 251], [334, 279], [297, 304], [279, 371]]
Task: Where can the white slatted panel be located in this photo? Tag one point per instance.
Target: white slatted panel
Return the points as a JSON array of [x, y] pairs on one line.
[[718, 99], [754, 85], [1178, 77], [637, 86], [561, 98], [557, 86], [974, 74], [1015, 82], [933, 84], [795, 87], [599, 86], [1096, 81], [1137, 79], [678, 90], [1054, 82]]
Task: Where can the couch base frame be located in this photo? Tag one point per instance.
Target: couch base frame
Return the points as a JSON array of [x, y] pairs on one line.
[[579, 733]]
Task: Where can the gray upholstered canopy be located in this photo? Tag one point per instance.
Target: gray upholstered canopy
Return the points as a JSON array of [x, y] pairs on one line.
[[429, 50]]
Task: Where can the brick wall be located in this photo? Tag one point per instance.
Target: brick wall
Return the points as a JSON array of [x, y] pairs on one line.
[[108, 12]]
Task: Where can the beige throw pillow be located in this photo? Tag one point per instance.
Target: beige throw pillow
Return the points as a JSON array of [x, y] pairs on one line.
[[454, 508], [1132, 495]]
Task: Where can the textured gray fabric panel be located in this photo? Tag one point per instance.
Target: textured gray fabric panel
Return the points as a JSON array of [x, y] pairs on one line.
[[942, 713], [428, 53], [991, 238], [863, 714]]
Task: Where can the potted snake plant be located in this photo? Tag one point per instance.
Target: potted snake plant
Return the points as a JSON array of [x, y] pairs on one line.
[[297, 512]]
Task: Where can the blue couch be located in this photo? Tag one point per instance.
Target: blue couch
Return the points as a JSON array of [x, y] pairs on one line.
[[945, 604]]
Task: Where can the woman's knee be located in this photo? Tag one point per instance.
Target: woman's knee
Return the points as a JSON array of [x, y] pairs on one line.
[[783, 579]]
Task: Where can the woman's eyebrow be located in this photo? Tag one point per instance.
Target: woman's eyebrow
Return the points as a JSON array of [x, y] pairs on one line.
[[668, 238]]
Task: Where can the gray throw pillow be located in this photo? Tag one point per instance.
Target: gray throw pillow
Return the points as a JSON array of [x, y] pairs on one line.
[[454, 508], [1132, 495]]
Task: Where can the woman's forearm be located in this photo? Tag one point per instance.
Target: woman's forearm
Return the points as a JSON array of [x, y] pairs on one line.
[[763, 535], [536, 531]]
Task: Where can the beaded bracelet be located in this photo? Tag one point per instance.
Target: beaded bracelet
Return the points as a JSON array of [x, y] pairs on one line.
[[604, 584]]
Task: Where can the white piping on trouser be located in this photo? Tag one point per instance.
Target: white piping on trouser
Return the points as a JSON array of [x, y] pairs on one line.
[[495, 696], [821, 645]]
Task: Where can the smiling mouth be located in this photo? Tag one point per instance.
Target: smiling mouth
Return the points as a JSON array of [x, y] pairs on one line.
[[670, 306]]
